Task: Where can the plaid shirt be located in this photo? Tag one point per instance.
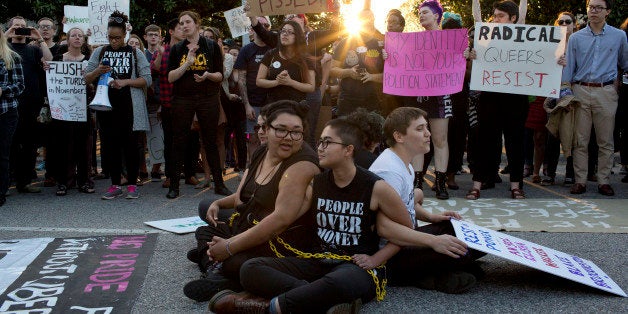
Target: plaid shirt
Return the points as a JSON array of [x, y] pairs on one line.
[[12, 86], [165, 87]]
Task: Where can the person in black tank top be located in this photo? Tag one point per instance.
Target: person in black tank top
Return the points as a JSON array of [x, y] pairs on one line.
[[267, 202], [344, 203]]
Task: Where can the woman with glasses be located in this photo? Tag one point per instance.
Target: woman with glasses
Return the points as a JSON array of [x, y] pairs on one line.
[[285, 71], [11, 86], [556, 117], [267, 202], [128, 116]]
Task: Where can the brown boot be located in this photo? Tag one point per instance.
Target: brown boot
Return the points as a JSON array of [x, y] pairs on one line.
[[227, 301]]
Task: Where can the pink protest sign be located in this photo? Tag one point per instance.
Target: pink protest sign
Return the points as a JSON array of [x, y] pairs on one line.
[[429, 63]]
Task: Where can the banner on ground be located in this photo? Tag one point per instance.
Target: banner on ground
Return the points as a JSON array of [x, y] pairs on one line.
[[178, 225], [429, 63], [73, 275], [75, 16], [281, 7], [155, 140], [536, 256], [518, 59], [99, 12], [67, 94]]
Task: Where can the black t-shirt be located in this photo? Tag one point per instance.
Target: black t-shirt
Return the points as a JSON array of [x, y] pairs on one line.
[[121, 63], [208, 58], [276, 64], [366, 52], [34, 75], [249, 58], [345, 221]]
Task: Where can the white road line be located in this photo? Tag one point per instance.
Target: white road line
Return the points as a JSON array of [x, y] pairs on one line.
[[82, 230]]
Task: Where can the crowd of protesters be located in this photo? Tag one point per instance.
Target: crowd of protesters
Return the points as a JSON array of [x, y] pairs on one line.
[[255, 108]]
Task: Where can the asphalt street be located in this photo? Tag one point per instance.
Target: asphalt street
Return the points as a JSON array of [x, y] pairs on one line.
[[507, 287]]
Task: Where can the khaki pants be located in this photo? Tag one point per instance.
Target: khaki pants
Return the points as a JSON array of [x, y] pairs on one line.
[[597, 107]]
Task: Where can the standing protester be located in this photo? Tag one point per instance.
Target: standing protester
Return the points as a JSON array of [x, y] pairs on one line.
[[152, 35], [593, 55], [11, 86], [48, 28], [24, 150], [359, 65], [439, 109], [494, 117], [74, 150], [195, 68], [128, 117], [247, 65], [160, 63], [285, 71]]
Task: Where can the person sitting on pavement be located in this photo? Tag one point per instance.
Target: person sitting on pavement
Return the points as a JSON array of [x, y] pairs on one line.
[[271, 191]]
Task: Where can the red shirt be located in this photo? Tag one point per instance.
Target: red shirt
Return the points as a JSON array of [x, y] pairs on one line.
[[165, 87]]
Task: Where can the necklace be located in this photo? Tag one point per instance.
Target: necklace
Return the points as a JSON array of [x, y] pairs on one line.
[[257, 185]]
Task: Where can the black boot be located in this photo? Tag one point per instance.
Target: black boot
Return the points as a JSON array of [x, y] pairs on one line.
[[440, 184], [418, 179]]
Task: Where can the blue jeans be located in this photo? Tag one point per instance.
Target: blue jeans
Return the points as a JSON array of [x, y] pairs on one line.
[[8, 124]]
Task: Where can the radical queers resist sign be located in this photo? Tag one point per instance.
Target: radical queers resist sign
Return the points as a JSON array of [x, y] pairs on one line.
[[73, 275], [518, 59]]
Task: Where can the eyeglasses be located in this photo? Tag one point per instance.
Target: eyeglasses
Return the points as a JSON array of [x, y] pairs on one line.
[[596, 8], [45, 27], [286, 32], [564, 22], [282, 133], [116, 19], [257, 127], [324, 143]]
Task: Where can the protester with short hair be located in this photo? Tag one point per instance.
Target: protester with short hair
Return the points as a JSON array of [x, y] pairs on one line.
[[593, 55], [11, 86]]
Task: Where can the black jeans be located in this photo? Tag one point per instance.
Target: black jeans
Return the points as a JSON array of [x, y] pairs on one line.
[[411, 264], [497, 113], [119, 139], [74, 149], [306, 285], [8, 124], [207, 111], [24, 148]]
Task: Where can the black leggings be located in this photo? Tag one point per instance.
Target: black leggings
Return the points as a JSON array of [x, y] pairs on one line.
[[306, 285]]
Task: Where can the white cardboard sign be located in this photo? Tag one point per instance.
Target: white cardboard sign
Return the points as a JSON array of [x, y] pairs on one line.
[[239, 23], [75, 16], [67, 94], [536, 256], [99, 12], [178, 225], [518, 59]]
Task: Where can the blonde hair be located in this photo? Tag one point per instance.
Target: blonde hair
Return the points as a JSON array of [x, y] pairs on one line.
[[9, 56]]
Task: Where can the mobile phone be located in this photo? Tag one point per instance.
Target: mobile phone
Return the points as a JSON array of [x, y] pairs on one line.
[[105, 62], [23, 31]]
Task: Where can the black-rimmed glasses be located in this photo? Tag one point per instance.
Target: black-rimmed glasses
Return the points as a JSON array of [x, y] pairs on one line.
[[596, 8], [257, 127], [282, 133], [564, 22], [324, 143]]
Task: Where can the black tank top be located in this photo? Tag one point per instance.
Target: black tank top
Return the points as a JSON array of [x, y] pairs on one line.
[[346, 224]]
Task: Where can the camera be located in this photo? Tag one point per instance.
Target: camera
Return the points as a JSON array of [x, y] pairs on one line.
[[23, 31]]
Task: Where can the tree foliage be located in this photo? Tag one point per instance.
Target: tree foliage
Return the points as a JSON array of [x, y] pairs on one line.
[[144, 12]]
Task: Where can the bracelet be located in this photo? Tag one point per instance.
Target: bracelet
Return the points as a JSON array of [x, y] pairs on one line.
[[227, 247]]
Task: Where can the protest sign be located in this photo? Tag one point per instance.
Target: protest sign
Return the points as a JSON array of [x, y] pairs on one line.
[[281, 7], [178, 225], [239, 24], [155, 140], [66, 91], [518, 59], [75, 16], [101, 274], [536, 256], [429, 63], [99, 12]]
